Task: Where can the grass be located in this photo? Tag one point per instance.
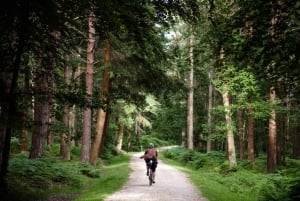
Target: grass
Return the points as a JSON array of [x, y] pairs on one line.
[[39, 179], [114, 176], [210, 173]]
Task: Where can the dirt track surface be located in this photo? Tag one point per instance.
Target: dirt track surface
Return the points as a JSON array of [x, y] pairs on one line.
[[171, 185]]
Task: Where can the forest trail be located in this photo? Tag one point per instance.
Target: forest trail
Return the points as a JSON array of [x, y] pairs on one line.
[[171, 184]]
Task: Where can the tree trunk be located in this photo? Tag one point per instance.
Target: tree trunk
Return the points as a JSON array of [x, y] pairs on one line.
[[44, 82], [286, 132], [87, 113], [65, 137], [241, 132], [50, 134], [27, 102], [41, 115], [210, 104], [8, 109], [190, 102], [129, 138], [102, 111], [120, 136], [251, 155], [229, 126], [137, 132], [183, 139], [279, 138], [78, 120], [271, 157], [106, 124]]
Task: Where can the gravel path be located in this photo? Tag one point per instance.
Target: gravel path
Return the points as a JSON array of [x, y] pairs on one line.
[[171, 184]]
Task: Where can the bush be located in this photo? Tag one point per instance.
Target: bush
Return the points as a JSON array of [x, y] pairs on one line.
[[274, 188], [174, 153], [294, 189], [199, 162], [145, 140], [41, 172], [89, 170], [15, 145], [244, 182]]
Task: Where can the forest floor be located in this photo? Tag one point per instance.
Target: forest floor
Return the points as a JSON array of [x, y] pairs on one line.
[[170, 184]]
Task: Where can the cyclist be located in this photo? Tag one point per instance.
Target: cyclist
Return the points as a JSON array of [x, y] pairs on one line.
[[150, 154]]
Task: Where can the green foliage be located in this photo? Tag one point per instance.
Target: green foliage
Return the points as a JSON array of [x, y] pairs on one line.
[[274, 188], [145, 140], [109, 151], [294, 189], [15, 144], [284, 185], [34, 179], [89, 170], [194, 158], [76, 151], [42, 172], [37, 179], [112, 178], [218, 182]]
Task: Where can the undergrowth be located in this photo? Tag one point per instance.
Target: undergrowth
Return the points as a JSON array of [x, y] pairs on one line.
[[40, 178], [211, 173]]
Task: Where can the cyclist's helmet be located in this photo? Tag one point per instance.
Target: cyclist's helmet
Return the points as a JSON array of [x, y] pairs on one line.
[[151, 145]]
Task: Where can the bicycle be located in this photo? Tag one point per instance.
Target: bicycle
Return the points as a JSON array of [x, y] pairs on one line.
[[150, 177]]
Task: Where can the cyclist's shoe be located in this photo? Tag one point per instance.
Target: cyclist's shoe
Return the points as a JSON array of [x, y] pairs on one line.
[[153, 181]]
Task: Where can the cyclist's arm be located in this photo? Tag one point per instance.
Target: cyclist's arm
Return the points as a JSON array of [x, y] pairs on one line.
[[143, 156]]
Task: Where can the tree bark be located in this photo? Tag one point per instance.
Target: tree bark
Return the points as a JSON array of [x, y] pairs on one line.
[[65, 137], [183, 139], [229, 126], [209, 113], [137, 132], [87, 113], [102, 111], [41, 115], [129, 139], [271, 157], [77, 110], [190, 101], [251, 155], [44, 82], [279, 138], [120, 136], [8, 109], [27, 102], [241, 133]]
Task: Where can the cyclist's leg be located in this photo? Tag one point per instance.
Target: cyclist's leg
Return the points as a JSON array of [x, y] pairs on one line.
[[147, 166], [153, 168], [153, 177]]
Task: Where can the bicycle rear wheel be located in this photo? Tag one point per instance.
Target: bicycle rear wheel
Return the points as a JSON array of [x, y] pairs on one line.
[[150, 178]]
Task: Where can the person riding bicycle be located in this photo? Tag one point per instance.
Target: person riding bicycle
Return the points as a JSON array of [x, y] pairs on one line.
[[150, 154]]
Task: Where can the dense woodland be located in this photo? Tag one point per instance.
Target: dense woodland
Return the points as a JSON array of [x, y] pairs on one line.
[[99, 75]]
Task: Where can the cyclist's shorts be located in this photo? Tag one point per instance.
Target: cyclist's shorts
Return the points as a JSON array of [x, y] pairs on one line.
[[152, 165]]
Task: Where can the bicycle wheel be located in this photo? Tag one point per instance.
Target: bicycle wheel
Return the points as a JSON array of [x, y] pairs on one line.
[[150, 178]]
